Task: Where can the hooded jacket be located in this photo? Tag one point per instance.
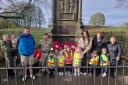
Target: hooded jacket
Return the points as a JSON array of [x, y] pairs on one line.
[[25, 44]]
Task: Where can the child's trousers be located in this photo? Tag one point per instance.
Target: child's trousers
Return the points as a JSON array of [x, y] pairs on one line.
[[51, 72], [68, 68], [104, 70]]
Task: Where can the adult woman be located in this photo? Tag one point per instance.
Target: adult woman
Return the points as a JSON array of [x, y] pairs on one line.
[[45, 46], [114, 49], [85, 44], [98, 42]]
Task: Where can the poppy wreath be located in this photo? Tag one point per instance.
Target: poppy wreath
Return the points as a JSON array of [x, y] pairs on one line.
[[56, 45]]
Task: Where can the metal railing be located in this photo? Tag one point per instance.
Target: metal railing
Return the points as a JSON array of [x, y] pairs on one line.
[[43, 78]]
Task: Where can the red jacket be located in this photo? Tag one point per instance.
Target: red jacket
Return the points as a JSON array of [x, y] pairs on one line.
[[37, 53]]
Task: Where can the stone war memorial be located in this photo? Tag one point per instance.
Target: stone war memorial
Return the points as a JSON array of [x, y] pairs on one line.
[[67, 20]]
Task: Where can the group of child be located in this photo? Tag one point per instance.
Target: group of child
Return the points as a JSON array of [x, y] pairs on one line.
[[68, 61], [66, 58], [102, 60]]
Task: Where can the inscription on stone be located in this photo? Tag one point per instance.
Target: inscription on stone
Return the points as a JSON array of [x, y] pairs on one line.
[[68, 6]]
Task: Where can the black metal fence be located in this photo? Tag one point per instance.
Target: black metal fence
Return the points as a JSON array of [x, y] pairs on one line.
[[43, 78]]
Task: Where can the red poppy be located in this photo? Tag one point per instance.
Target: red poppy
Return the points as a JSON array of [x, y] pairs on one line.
[[56, 45], [73, 45], [63, 45]]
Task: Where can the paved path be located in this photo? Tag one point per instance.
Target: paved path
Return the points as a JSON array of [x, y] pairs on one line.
[[63, 80]]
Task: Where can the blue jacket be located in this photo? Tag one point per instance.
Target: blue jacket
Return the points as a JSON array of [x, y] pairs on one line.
[[25, 44]]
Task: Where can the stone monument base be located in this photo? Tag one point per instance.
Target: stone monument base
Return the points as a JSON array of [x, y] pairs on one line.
[[67, 32]]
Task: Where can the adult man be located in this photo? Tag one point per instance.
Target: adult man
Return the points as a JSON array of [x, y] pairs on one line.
[[25, 45]]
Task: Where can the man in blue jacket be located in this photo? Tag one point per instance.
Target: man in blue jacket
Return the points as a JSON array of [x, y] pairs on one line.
[[25, 45]]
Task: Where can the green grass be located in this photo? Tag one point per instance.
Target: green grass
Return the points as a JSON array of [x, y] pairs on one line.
[[116, 31], [108, 29], [37, 33]]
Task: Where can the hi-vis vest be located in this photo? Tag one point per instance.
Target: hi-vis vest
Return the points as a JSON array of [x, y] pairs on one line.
[[51, 61], [104, 61], [76, 59], [60, 60], [68, 57], [94, 60]]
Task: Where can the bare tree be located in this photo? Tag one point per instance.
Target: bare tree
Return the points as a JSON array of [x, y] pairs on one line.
[[31, 10], [122, 4]]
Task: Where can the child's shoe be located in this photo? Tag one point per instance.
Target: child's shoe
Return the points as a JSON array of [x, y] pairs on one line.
[[24, 78], [32, 77], [104, 74], [85, 73], [81, 73], [59, 73], [62, 73]]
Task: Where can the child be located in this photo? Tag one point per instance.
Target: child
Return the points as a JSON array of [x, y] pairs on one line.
[[104, 62], [37, 54], [68, 55], [93, 62], [51, 64], [37, 59], [76, 60], [61, 63]]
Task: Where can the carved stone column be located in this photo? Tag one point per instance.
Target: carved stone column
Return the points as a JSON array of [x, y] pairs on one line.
[[66, 19]]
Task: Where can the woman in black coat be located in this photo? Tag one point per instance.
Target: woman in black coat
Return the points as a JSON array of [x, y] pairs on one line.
[[115, 52], [98, 42]]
